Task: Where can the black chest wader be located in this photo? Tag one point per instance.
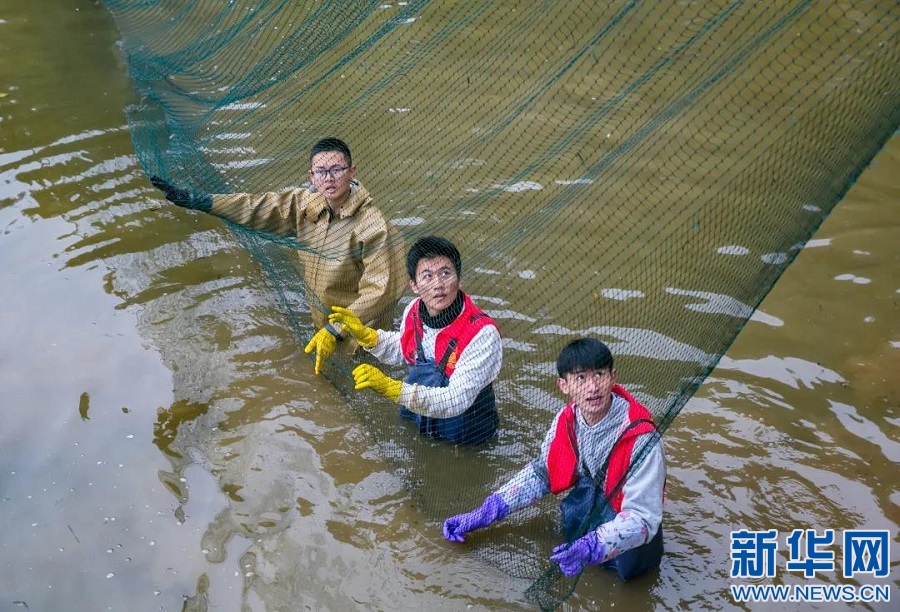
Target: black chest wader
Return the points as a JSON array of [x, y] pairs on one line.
[[476, 425]]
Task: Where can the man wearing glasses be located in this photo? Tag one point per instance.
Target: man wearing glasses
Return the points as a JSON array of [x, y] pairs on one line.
[[354, 256], [451, 348]]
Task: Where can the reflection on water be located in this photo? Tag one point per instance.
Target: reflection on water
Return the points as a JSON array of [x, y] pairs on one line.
[[788, 370], [636, 342], [867, 430], [165, 446], [716, 303]]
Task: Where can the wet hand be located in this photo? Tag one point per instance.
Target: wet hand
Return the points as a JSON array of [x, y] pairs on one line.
[[182, 197], [323, 343], [574, 557], [366, 336], [367, 376], [492, 509]]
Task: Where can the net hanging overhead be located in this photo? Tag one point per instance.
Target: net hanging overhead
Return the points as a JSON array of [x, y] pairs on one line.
[[634, 171]]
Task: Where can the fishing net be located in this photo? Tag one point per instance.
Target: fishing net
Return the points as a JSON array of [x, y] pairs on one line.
[[634, 171]]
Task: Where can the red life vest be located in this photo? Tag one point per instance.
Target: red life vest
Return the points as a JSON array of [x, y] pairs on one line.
[[451, 341], [562, 460]]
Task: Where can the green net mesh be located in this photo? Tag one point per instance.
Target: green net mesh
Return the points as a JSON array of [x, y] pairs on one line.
[[633, 171]]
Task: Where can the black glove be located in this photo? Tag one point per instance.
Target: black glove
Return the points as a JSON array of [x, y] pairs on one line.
[[182, 197]]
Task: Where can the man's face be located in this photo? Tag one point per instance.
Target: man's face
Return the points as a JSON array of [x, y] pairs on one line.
[[331, 174], [591, 390], [436, 283]]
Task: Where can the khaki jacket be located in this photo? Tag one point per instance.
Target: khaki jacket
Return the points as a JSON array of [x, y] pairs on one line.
[[354, 259]]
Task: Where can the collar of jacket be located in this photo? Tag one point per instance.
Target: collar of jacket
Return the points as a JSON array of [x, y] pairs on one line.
[[446, 316], [359, 195]]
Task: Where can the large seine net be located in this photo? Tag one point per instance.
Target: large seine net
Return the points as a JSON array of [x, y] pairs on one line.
[[640, 172]]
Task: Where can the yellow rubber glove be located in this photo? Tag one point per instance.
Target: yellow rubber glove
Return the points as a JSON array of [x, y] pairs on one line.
[[366, 336], [369, 377], [323, 343]]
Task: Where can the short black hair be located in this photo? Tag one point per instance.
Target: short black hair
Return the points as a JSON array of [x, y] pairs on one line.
[[429, 247], [583, 354], [331, 144]]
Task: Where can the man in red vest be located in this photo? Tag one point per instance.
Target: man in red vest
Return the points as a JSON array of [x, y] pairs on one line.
[[451, 347], [603, 448]]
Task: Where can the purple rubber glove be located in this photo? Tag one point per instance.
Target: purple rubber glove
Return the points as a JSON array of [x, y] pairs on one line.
[[572, 558], [493, 509]]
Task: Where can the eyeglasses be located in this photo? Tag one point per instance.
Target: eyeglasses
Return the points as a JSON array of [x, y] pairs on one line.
[[444, 276], [334, 172]]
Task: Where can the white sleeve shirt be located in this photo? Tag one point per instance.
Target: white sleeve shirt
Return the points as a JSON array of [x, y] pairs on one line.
[[642, 504], [477, 366]]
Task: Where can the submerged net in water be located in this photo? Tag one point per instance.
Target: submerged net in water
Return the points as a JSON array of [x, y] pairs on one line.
[[634, 171]]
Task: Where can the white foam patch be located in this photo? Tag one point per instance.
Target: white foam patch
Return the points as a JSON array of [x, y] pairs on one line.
[[621, 294], [243, 106], [485, 271], [509, 344], [521, 186], [733, 249], [230, 150], [811, 208], [77, 138], [581, 181], [774, 259], [820, 242], [407, 20], [466, 163], [489, 299], [791, 371], [766, 319], [398, 110], [719, 303], [408, 221], [509, 314], [866, 430], [242, 163], [233, 136], [856, 280], [637, 342], [855, 252]]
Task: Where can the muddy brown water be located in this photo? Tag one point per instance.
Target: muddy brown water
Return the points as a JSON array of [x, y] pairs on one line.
[[131, 462]]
